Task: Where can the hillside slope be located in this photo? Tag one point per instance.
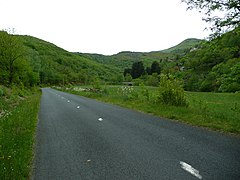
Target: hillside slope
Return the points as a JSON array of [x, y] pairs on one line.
[[56, 65], [184, 47], [215, 66], [125, 59]]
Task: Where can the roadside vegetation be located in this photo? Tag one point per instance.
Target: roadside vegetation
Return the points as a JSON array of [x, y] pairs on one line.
[[162, 82], [18, 119], [216, 111]]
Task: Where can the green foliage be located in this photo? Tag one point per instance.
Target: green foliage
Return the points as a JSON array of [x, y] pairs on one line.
[[217, 111], [127, 92], [2, 93], [219, 24], [13, 63], [184, 47], [18, 119], [138, 81], [152, 80], [128, 77], [124, 60], [117, 79], [155, 68], [171, 91], [231, 81], [53, 65], [96, 84], [213, 67], [144, 93], [137, 69]]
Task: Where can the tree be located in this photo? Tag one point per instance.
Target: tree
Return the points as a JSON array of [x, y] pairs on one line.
[[220, 25], [155, 68], [148, 70], [128, 77], [127, 71], [153, 80], [11, 51], [137, 69]]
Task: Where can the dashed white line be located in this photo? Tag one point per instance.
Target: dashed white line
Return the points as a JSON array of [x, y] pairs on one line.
[[100, 119], [190, 169]]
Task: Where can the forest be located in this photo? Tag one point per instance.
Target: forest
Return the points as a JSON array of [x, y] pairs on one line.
[[209, 66]]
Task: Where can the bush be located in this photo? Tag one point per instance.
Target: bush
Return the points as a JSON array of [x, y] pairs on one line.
[[127, 93], [144, 93], [96, 84], [171, 92], [153, 80]]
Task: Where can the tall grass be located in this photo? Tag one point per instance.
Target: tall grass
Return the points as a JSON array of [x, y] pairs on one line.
[[17, 130], [216, 111]]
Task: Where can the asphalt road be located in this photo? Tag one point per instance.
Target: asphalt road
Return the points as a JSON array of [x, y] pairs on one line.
[[79, 138]]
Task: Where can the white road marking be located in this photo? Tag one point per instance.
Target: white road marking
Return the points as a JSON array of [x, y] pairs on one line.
[[100, 119], [78, 107], [68, 101], [190, 169]]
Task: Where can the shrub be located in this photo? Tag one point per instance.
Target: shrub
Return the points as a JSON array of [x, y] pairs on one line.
[[144, 93], [127, 93], [153, 80], [96, 84], [171, 92]]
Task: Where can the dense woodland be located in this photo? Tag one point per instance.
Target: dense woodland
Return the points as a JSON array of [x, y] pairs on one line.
[[210, 66], [215, 66], [202, 65], [30, 61]]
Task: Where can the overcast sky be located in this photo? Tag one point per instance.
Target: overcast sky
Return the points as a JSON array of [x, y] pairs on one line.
[[104, 26]]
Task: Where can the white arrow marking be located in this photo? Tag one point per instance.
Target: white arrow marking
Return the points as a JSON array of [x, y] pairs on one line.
[[190, 169], [100, 119]]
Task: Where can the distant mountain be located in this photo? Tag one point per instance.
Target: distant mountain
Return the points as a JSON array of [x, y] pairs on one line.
[[184, 46], [125, 59]]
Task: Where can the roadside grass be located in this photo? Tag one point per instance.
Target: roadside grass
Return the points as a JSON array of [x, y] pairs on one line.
[[19, 109], [216, 111]]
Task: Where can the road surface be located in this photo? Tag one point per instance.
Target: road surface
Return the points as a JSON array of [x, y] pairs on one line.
[[80, 138]]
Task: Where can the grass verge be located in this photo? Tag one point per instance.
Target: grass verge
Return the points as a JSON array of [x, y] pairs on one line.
[[216, 111], [19, 111]]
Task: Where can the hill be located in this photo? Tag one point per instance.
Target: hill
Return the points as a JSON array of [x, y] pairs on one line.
[[184, 47], [125, 59], [215, 66], [56, 65]]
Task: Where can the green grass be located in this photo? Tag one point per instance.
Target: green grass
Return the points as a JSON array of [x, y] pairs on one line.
[[216, 111], [17, 133]]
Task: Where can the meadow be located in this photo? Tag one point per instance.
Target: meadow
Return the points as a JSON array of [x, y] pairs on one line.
[[215, 111], [18, 120]]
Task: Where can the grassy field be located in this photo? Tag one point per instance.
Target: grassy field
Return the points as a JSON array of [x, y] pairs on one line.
[[216, 111], [19, 109]]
